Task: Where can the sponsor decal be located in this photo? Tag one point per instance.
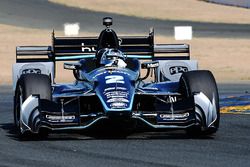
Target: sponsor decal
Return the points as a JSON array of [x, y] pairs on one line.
[[121, 88], [114, 79], [88, 49], [117, 100], [31, 71], [177, 69], [99, 74], [183, 116], [152, 65], [69, 66], [124, 71], [114, 88], [118, 105], [55, 118], [116, 94], [110, 72], [109, 89], [116, 97], [172, 99]]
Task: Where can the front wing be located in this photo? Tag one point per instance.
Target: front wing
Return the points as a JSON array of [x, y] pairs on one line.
[[196, 110]]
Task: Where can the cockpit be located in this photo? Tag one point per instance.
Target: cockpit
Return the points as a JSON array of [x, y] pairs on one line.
[[108, 52], [112, 57]]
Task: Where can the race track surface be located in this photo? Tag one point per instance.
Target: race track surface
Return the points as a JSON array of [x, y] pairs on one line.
[[44, 15], [230, 147]]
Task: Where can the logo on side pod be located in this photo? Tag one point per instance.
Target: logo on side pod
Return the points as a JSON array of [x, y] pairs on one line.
[[177, 69], [31, 71]]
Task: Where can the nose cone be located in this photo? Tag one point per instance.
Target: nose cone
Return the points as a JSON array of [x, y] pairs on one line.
[[115, 91]]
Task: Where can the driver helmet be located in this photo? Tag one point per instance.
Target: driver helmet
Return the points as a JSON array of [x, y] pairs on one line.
[[111, 57]]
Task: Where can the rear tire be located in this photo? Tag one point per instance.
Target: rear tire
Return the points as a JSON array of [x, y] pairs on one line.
[[201, 81], [27, 85]]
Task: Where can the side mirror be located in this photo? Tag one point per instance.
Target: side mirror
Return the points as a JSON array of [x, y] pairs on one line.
[[72, 66], [152, 65]]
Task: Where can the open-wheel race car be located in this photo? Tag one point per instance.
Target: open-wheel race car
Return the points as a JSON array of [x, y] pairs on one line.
[[110, 88]]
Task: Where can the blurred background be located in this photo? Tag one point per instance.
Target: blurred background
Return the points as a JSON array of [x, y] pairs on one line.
[[221, 29]]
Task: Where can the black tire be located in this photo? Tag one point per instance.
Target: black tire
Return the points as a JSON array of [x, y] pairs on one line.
[[201, 81], [27, 85]]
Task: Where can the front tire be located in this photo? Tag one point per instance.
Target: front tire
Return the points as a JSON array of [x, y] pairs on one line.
[[27, 85], [201, 81]]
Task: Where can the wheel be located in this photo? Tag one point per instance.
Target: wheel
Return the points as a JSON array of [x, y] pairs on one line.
[[201, 81], [27, 85]]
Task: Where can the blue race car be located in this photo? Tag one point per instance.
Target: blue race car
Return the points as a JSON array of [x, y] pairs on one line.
[[124, 82]]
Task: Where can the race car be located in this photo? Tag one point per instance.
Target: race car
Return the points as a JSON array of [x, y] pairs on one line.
[[122, 82]]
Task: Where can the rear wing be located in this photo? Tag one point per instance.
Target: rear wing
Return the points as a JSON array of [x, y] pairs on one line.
[[71, 48], [34, 54], [75, 48], [171, 52]]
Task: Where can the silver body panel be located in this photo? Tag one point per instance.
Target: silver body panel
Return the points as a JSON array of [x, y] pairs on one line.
[[172, 69], [18, 69]]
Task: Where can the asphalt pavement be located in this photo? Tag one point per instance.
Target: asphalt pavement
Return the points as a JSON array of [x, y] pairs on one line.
[[230, 146]]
